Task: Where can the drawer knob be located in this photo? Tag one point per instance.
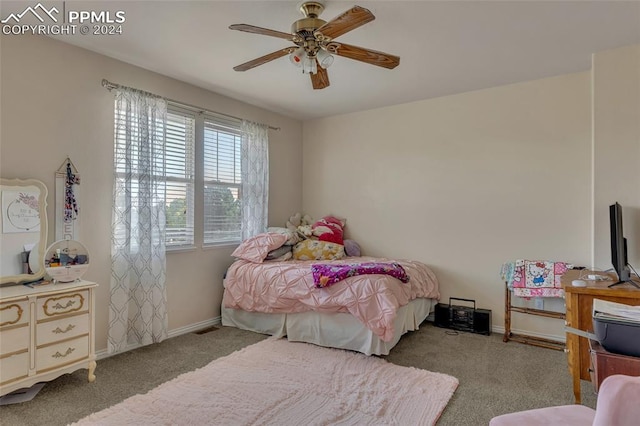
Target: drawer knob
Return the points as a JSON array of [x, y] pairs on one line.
[[59, 355], [58, 330]]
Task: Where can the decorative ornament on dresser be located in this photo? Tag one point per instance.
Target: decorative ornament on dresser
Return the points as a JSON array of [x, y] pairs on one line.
[[66, 260]]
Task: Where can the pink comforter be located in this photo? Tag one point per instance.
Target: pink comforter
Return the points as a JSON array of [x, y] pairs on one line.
[[287, 287]]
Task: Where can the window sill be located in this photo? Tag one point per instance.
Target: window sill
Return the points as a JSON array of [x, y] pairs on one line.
[[181, 249], [221, 245]]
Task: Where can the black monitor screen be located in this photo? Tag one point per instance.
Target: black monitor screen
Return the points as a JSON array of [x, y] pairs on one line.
[[618, 243]]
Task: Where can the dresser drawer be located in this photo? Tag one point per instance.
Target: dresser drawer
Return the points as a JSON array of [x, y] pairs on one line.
[[14, 366], [61, 329], [62, 353], [15, 339], [60, 304], [14, 313]]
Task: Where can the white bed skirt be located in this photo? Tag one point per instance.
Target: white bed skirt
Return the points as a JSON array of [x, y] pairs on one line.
[[338, 330]]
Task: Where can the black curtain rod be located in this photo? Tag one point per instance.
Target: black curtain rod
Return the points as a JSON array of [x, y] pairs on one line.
[[110, 86]]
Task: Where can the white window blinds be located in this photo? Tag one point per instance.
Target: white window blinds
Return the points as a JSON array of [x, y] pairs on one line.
[[222, 181], [180, 178], [213, 183]]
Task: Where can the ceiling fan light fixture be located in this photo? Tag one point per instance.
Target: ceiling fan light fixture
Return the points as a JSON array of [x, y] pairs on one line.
[[325, 59], [309, 65], [297, 57]]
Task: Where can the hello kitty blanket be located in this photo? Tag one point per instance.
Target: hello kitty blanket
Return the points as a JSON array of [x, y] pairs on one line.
[[288, 287], [534, 278]]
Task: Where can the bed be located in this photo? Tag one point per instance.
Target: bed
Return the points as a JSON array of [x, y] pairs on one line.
[[367, 313]]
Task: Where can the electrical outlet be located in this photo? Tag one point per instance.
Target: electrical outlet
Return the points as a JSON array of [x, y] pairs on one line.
[[539, 303]]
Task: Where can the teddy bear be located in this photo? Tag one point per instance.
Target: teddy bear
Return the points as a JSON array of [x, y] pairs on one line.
[[301, 225]]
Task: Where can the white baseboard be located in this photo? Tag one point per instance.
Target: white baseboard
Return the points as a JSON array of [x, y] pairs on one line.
[[101, 354], [500, 330], [530, 333]]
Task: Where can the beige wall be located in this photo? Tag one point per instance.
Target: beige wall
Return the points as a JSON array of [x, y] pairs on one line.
[[53, 106], [463, 183], [616, 114]]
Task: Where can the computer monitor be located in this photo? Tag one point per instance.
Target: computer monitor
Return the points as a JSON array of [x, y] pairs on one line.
[[619, 247]]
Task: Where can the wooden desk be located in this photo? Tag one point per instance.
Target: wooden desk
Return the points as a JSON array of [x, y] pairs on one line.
[[579, 301]]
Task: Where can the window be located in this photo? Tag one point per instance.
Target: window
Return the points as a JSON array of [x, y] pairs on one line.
[[222, 182], [218, 190], [180, 178]]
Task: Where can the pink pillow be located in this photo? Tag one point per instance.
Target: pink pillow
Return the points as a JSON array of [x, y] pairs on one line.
[[256, 248]]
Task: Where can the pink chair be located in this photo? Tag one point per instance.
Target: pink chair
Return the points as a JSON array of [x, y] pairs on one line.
[[618, 405]]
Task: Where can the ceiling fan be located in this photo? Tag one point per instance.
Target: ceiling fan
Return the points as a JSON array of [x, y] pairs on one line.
[[315, 43]]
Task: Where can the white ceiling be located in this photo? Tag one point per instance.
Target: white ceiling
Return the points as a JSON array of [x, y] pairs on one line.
[[446, 47]]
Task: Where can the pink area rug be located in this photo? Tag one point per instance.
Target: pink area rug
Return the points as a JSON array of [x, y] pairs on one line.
[[286, 383]]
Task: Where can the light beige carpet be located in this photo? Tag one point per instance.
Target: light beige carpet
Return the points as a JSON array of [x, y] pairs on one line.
[[284, 383]]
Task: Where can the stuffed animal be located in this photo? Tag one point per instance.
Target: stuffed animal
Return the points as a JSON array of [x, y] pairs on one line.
[[329, 228], [294, 222], [301, 225]]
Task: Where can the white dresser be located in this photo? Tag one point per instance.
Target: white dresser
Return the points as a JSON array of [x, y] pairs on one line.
[[45, 332]]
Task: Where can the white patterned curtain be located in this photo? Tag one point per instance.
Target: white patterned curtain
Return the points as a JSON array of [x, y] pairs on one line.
[[255, 178], [137, 311]]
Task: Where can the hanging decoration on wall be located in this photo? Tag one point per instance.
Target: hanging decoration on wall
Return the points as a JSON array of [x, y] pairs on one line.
[[67, 201], [70, 204]]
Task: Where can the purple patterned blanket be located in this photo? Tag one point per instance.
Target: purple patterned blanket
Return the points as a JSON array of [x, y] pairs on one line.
[[325, 275]]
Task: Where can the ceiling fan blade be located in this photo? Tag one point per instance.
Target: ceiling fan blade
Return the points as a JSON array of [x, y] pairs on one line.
[[263, 59], [320, 79], [369, 56], [349, 20], [258, 30]]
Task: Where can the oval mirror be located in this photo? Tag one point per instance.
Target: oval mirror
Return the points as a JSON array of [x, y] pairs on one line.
[[23, 230]]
